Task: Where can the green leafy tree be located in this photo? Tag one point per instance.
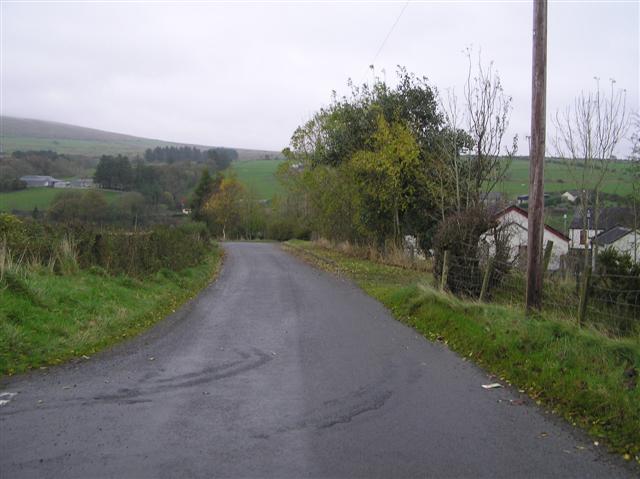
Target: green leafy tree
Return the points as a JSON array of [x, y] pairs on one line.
[[206, 187], [388, 171], [114, 173], [71, 207]]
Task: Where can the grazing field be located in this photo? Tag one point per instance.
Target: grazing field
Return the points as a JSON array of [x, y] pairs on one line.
[[558, 178], [259, 176], [27, 200], [29, 134], [92, 148]]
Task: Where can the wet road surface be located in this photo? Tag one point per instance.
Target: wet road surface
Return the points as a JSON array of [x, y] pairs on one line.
[[279, 370]]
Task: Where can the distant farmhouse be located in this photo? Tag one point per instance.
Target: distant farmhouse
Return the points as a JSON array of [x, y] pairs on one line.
[[571, 196], [575, 196], [39, 181], [82, 183], [515, 221]]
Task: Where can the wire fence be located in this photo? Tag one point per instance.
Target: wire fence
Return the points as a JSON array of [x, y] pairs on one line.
[[608, 302]]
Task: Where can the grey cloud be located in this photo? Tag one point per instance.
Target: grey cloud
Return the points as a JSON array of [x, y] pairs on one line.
[[248, 74]]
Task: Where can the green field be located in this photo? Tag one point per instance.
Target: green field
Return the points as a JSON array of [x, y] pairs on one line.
[[30, 134], [27, 200], [258, 176], [91, 148], [558, 178]]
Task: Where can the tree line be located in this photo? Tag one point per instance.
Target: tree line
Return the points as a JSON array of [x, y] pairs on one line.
[[160, 184], [221, 158], [45, 162]]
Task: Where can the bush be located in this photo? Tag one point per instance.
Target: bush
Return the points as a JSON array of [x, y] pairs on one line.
[[460, 234], [136, 253], [616, 283]]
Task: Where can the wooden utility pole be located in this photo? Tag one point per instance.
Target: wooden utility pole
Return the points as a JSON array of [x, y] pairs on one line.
[[536, 154]]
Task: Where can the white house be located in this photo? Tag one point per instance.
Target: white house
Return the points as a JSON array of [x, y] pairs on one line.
[[570, 196], [622, 239], [515, 222], [608, 218]]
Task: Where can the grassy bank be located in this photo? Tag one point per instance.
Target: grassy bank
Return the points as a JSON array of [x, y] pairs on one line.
[[589, 379], [47, 318]]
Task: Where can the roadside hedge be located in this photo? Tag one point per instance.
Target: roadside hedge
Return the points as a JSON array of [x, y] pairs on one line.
[[117, 251]]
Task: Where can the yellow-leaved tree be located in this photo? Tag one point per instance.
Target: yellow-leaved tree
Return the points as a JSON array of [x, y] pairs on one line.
[[223, 208], [386, 172]]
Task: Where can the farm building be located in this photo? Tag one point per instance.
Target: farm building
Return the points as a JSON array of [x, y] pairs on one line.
[[35, 181], [515, 222], [607, 219], [82, 183], [622, 239], [575, 196]]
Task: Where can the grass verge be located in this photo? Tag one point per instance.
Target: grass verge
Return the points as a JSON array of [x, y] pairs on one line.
[[46, 319], [589, 379]]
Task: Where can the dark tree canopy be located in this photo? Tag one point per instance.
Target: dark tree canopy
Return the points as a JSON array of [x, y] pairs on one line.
[[114, 172], [219, 158]]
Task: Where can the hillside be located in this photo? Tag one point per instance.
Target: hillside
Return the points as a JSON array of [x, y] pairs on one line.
[[30, 134]]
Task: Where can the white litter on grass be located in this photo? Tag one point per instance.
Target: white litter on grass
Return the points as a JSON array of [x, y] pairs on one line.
[[492, 386], [5, 398]]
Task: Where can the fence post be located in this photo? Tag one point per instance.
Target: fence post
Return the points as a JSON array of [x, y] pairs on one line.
[[445, 270], [485, 279], [584, 293], [547, 256]]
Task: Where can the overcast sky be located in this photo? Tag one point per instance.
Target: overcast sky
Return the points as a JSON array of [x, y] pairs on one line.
[[246, 74]]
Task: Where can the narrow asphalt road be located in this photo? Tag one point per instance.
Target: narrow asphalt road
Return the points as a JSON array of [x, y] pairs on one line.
[[279, 370]]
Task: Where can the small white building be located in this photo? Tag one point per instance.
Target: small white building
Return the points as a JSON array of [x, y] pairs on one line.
[[569, 196], [607, 219], [82, 183], [622, 239], [514, 221]]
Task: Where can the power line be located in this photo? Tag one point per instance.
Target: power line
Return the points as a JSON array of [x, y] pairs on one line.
[[389, 32]]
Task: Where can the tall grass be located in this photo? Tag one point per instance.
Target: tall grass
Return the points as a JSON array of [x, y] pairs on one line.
[[389, 254]]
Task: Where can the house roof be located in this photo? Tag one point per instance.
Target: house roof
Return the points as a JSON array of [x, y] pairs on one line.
[[607, 219], [524, 213], [612, 235]]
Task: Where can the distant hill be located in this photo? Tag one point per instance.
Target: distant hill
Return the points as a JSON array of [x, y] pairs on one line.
[[29, 134]]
